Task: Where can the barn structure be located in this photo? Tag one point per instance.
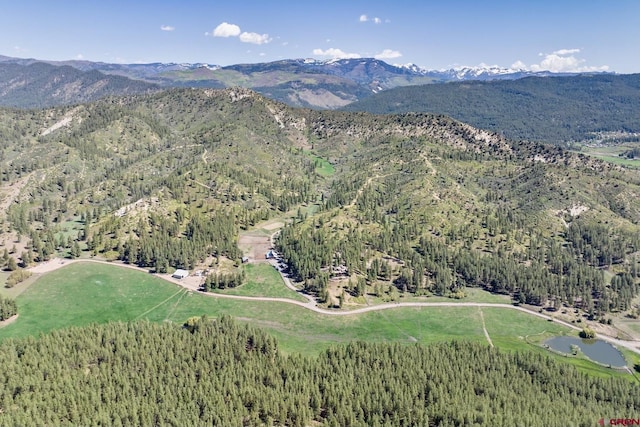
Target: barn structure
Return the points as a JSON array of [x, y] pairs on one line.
[[180, 274]]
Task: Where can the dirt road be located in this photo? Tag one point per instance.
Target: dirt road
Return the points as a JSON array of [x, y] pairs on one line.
[[192, 283]]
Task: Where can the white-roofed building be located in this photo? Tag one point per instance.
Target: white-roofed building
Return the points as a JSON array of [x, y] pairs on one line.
[[180, 274]]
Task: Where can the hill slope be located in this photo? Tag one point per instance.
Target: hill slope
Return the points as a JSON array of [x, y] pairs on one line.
[[310, 83], [42, 85], [551, 109], [415, 203]]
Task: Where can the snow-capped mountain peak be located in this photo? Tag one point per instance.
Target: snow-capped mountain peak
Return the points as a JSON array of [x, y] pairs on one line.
[[480, 72]]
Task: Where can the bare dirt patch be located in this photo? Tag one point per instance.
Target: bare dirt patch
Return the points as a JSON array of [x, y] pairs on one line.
[[254, 247], [9, 193], [9, 240], [139, 205], [605, 329], [336, 288], [8, 321], [65, 121], [51, 265], [273, 226], [11, 243]]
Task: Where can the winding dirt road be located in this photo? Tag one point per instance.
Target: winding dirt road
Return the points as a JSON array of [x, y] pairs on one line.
[[192, 283]]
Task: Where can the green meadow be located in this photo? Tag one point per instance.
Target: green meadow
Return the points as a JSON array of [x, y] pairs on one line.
[[323, 167], [85, 293], [263, 280], [611, 153]]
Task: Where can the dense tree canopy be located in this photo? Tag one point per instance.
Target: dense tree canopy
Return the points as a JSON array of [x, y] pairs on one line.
[[556, 109], [221, 373], [8, 308]]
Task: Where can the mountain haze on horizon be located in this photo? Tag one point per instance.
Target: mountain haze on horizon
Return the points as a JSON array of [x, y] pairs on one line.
[[297, 82], [541, 106]]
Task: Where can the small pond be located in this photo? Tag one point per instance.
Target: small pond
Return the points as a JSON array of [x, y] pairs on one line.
[[597, 350]]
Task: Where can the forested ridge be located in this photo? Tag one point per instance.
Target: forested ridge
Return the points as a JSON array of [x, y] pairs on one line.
[[552, 109], [222, 373], [432, 219], [416, 203], [40, 85]]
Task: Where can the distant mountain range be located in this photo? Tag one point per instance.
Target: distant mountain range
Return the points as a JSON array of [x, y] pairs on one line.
[[38, 85], [310, 83], [551, 109], [520, 104]]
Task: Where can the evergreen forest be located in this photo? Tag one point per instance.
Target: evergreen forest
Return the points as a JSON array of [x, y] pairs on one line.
[[552, 109], [223, 373], [387, 206], [415, 204]]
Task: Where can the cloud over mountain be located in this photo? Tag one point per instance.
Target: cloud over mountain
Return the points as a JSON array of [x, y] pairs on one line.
[[254, 38], [561, 61], [231, 30], [335, 53], [388, 54]]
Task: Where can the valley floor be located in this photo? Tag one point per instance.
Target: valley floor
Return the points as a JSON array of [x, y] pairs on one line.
[[192, 283]]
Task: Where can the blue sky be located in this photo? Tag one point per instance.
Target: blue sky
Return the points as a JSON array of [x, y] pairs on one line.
[[559, 35]]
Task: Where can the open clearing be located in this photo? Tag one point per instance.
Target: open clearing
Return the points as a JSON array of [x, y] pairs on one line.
[[81, 293], [254, 246], [263, 280], [611, 153]]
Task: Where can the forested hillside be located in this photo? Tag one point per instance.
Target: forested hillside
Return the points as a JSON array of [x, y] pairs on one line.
[[428, 206], [549, 109], [40, 85], [221, 373], [415, 203]]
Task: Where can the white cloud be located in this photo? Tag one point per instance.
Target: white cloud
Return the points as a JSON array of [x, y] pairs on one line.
[[226, 30], [79, 56], [375, 20], [231, 30], [167, 28], [558, 63], [335, 53], [519, 65], [561, 61], [254, 38], [388, 54], [566, 51]]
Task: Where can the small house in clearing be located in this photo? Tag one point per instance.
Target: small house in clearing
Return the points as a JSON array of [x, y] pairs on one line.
[[180, 274]]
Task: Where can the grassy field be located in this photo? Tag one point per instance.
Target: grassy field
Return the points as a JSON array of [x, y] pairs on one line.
[[323, 168], [610, 153], [471, 295], [265, 281], [85, 293]]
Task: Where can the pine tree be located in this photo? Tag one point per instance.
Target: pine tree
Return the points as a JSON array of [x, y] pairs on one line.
[[11, 264]]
